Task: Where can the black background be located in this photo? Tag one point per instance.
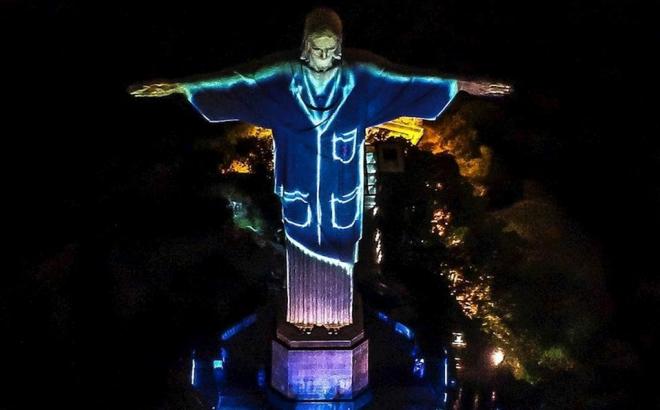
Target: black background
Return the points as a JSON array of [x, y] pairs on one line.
[[582, 72]]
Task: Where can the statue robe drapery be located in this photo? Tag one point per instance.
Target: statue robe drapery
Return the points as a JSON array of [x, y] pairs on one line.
[[319, 132]]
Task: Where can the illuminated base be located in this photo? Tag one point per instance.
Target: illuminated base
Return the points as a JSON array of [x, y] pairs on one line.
[[321, 373], [321, 365]]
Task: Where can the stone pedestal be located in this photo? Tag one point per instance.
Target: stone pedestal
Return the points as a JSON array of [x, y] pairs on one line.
[[319, 365]]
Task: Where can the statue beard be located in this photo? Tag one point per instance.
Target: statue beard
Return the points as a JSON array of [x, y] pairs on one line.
[[307, 58], [334, 62]]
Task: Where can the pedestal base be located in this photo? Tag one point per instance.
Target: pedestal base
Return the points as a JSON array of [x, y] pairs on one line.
[[320, 373], [320, 365]]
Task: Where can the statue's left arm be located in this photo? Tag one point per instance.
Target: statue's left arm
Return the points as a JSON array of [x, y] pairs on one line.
[[396, 90]]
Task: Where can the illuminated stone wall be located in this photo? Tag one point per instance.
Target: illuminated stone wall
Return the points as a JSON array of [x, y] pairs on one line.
[[322, 374]]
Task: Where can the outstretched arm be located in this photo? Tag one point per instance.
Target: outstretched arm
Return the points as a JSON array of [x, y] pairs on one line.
[[244, 92], [156, 89], [485, 88], [247, 74], [396, 90]]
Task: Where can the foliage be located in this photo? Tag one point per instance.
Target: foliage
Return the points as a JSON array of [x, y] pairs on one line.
[[532, 304]]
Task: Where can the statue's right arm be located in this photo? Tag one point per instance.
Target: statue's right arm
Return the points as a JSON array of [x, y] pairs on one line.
[[247, 73]]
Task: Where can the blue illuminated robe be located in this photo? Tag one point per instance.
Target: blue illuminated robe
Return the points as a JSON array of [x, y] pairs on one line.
[[319, 136]]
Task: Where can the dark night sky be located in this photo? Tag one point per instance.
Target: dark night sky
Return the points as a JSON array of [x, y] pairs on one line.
[[582, 82]]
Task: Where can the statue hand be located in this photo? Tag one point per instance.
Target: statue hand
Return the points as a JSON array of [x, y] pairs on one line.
[[485, 88], [155, 89]]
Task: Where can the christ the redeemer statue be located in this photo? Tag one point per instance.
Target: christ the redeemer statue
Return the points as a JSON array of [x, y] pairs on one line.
[[318, 104]]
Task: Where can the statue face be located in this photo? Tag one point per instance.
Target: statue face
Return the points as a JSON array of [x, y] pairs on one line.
[[321, 52]]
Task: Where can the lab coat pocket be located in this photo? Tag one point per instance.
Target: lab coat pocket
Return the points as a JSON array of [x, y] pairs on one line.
[[345, 209], [343, 146], [296, 210]]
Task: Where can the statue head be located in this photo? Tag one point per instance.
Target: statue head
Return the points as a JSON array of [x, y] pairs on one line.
[[322, 38]]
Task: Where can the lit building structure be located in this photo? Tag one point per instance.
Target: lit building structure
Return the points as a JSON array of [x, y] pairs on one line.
[[409, 128]]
